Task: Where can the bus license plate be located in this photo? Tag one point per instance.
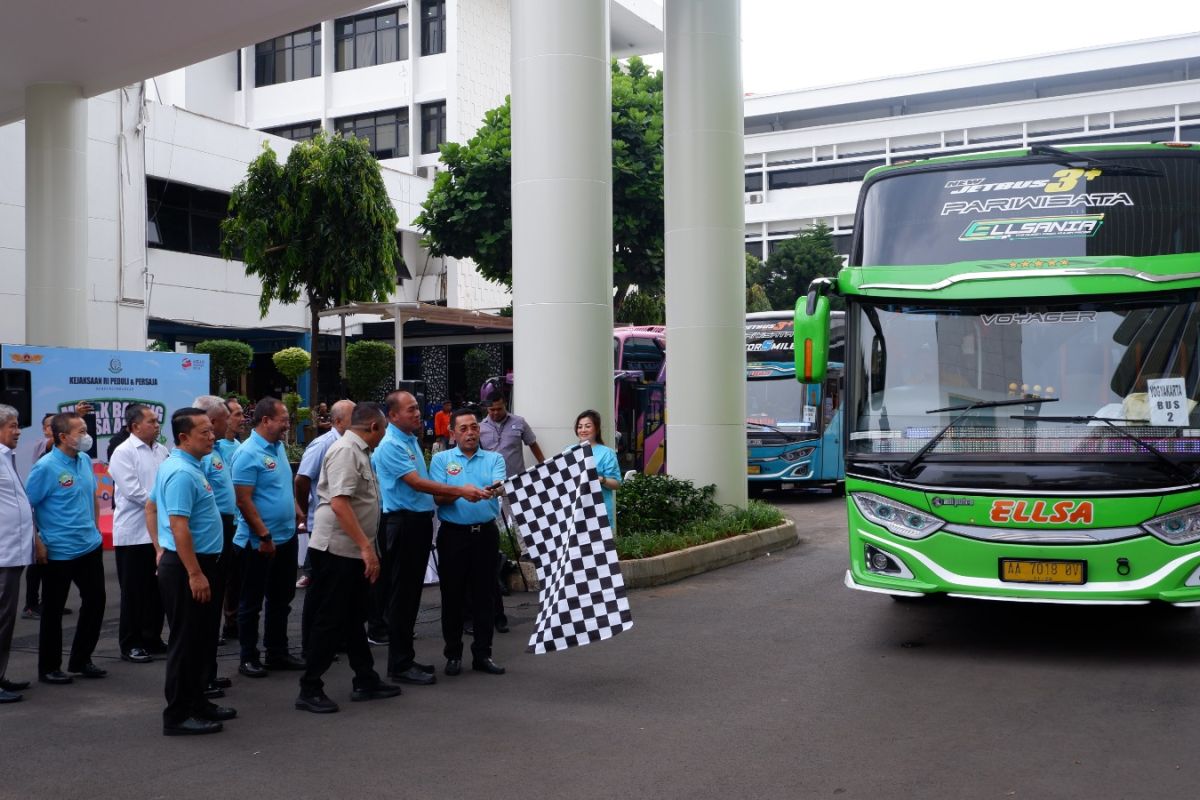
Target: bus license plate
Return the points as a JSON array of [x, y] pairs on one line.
[[1041, 571], [753, 469]]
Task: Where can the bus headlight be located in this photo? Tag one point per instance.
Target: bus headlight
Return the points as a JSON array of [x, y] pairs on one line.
[[900, 519], [796, 455], [1180, 527]]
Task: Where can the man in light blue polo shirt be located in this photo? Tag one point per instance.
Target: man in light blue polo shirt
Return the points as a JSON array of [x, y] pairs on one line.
[[226, 445], [266, 534], [407, 530], [62, 491], [190, 539], [467, 542]]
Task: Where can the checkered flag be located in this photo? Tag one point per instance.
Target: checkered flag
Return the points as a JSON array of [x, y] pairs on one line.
[[559, 510]]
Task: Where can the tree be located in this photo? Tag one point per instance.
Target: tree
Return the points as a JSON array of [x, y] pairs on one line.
[[643, 308], [292, 362], [756, 299], [369, 368], [796, 262], [468, 213], [475, 365], [756, 296], [229, 359], [321, 227]]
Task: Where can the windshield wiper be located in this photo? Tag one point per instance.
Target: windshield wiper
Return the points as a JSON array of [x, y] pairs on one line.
[[791, 437], [905, 469], [1176, 467], [1069, 159]]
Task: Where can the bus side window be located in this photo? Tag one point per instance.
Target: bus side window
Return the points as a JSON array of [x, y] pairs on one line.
[[833, 396]]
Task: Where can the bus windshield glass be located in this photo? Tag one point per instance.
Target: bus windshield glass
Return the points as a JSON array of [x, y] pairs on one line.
[[1132, 362], [1035, 209]]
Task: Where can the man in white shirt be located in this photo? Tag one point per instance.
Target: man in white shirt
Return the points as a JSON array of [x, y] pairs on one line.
[[16, 545], [133, 466]]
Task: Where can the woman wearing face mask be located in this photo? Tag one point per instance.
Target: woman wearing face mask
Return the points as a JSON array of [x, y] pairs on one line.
[[587, 428]]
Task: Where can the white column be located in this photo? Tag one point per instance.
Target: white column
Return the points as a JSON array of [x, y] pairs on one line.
[[705, 264], [55, 216], [562, 215], [398, 343]]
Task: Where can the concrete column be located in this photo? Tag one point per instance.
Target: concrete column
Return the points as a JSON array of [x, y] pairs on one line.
[[55, 216], [705, 261], [562, 216]]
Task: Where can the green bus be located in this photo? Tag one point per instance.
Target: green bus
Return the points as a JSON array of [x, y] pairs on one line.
[[1022, 370]]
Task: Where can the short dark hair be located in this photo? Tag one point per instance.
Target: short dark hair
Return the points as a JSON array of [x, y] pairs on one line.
[[183, 420], [133, 413], [495, 396], [266, 407], [366, 413], [459, 412], [47, 417], [229, 400], [594, 416], [60, 424], [392, 401]]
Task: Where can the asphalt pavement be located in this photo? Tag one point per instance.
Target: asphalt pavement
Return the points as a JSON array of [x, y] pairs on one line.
[[764, 679]]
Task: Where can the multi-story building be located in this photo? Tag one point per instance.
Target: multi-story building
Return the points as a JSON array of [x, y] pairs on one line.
[[807, 151]]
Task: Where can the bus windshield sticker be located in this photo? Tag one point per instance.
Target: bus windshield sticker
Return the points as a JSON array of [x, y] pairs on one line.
[[1032, 228], [1168, 402], [1037, 202], [1042, 317], [810, 415]]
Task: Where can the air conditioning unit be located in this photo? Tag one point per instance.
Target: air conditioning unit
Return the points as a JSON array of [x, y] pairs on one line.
[[754, 198], [428, 172]]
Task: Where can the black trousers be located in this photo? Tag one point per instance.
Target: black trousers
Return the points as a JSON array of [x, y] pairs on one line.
[[232, 578], [141, 606], [336, 601], [87, 573], [193, 642], [228, 529], [409, 536], [33, 586], [467, 558], [268, 587]]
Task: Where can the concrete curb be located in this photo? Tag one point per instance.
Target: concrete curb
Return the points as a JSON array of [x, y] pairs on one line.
[[640, 573]]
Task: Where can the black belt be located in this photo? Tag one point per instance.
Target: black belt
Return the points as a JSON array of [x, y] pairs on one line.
[[479, 528]]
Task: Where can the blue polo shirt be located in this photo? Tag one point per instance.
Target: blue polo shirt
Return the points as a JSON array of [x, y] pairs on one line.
[[217, 470], [62, 492], [264, 466], [182, 490], [310, 467], [226, 448], [482, 469], [397, 455]]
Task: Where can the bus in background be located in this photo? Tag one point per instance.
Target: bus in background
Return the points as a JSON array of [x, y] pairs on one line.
[[793, 433], [1022, 375]]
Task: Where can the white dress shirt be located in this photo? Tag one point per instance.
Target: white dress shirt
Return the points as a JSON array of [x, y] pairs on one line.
[[133, 467], [16, 517]]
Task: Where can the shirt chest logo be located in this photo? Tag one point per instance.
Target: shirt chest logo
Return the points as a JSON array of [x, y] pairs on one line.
[[453, 468], [66, 480], [208, 487], [269, 463], [217, 463]]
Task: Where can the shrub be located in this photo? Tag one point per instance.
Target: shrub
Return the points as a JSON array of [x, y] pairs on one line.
[[475, 365], [722, 525], [229, 359], [662, 504], [292, 362], [369, 368]]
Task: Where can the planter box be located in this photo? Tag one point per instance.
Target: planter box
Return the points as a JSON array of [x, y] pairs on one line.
[[669, 567]]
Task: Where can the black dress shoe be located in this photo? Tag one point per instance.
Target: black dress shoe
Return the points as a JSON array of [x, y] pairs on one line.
[[487, 665], [137, 656], [501, 626], [157, 647], [13, 686], [252, 669], [316, 703], [229, 633], [379, 691], [221, 682], [414, 675], [220, 641], [215, 713], [9, 697], [212, 692], [453, 666], [58, 677], [285, 662], [424, 667], [192, 727], [90, 670]]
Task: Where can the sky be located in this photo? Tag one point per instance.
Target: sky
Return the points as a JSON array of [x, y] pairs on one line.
[[797, 44]]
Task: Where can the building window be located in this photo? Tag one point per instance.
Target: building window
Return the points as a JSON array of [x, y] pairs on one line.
[[433, 27], [754, 181], [433, 126], [293, 57], [184, 218], [237, 66], [369, 39], [386, 132], [297, 132]]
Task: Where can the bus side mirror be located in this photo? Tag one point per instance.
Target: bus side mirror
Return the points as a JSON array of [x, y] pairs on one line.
[[811, 335]]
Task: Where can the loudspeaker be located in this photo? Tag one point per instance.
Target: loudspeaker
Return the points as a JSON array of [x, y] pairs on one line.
[[16, 391], [417, 390]]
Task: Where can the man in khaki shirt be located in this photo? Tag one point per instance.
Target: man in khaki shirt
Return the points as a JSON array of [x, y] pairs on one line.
[[344, 564]]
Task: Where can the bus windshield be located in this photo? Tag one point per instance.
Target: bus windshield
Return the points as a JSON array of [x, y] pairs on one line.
[[1038, 208], [1128, 363]]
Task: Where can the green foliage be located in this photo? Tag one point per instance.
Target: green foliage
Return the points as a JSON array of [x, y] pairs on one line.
[[292, 362], [662, 503], [229, 359], [295, 451], [796, 262], [643, 308], [292, 401], [319, 228], [475, 365], [369, 368], [756, 299], [756, 516], [160, 346], [241, 398], [468, 213]]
